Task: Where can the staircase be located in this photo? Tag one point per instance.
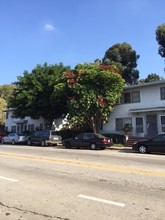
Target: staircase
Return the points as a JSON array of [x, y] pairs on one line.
[[130, 141]]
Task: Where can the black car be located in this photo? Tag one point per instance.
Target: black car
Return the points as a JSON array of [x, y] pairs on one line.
[[43, 138], [88, 140], [155, 144]]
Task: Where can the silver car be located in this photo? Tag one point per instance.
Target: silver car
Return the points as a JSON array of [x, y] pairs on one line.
[[14, 138]]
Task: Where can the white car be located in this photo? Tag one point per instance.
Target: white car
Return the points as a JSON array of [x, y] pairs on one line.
[[14, 138]]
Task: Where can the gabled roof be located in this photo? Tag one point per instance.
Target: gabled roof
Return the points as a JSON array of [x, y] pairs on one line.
[[140, 85], [154, 109], [8, 110]]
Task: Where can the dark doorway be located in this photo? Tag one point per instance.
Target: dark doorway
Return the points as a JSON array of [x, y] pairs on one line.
[[152, 128]]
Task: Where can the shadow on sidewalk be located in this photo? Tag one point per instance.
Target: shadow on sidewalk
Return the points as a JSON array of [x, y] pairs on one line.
[[129, 150], [121, 149]]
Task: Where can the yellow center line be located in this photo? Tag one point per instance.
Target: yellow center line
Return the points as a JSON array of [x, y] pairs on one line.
[[86, 164]]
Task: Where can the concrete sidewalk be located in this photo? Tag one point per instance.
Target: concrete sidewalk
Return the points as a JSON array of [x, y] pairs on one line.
[[113, 147], [120, 148]]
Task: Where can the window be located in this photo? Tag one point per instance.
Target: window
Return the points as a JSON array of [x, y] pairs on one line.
[[25, 127], [139, 125], [41, 126], [79, 137], [162, 93], [88, 136], [11, 135], [13, 128], [120, 122], [159, 138], [7, 115], [131, 97], [135, 96], [162, 119], [31, 127], [127, 97]]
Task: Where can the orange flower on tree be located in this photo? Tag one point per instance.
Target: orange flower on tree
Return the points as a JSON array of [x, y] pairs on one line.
[[108, 67], [71, 77], [101, 100]]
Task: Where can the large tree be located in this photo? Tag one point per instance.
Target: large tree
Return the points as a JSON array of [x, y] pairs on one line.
[[6, 91], [3, 105], [152, 77], [94, 90], [34, 94], [125, 58], [160, 37]]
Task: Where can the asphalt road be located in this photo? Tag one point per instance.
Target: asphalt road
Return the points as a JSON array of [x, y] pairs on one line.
[[49, 183]]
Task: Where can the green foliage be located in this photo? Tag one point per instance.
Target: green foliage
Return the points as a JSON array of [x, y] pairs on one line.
[[67, 132], [34, 93], [3, 105], [127, 128], [160, 37], [125, 58], [6, 91], [152, 77], [95, 89]]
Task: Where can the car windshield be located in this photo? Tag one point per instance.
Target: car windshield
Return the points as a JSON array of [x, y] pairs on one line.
[[159, 138], [100, 136], [54, 133]]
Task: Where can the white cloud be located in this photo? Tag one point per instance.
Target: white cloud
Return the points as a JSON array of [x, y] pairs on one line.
[[49, 27]]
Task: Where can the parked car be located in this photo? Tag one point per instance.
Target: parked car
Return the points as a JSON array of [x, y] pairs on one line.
[[43, 138], [155, 144], [14, 138], [1, 136], [88, 140]]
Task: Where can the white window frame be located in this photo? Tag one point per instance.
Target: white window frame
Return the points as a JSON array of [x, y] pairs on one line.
[[133, 97], [139, 126], [162, 93], [125, 120], [162, 126]]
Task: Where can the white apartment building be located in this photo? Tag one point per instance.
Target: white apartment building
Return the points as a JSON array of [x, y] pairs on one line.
[[143, 107], [19, 125]]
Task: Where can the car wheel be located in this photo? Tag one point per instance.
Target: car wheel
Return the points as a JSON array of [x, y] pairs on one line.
[[67, 144], [13, 142], [43, 143], [29, 142], [93, 146], [2, 141], [142, 149]]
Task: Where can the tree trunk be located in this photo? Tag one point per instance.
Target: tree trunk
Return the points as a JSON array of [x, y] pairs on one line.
[[95, 123], [92, 124]]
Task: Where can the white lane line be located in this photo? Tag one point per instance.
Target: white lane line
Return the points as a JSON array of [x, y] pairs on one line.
[[9, 179], [101, 200]]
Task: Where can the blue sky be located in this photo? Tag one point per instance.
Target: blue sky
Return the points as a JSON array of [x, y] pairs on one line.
[[76, 31]]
